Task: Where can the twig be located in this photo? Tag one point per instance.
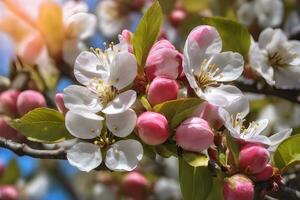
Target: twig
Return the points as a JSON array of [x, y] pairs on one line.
[[22, 149], [291, 95]]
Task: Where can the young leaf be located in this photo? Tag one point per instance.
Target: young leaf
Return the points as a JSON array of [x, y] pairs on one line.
[[43, 125], [288, 153], [146, 33], [177, 110], [11, 173], [195, 159], [195, 182], [233, 147], [235, 36]]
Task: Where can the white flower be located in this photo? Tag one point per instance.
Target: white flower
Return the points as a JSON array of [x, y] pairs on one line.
[[234, 124], [269, 13], [166, 188], [110, 20], [206, 67], [105, 76], [79, 25], [276, 59]]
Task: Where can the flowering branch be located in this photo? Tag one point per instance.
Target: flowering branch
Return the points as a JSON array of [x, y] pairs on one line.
[[291, 95], [22, 149]]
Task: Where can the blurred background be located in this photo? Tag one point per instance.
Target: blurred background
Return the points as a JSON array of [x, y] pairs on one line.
[[44, 64]]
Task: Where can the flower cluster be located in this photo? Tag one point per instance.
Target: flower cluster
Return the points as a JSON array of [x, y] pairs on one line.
[[102, 112]]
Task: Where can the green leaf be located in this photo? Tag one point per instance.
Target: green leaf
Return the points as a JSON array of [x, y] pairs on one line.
[[177, 110], [146, 33], [11, 174], [235, 36], [195, 5], [196, 159], [233, 147], [145, 103], [217, 189], [195, 182], [43, 125], [167, 149], [288, 153], [167, 5]]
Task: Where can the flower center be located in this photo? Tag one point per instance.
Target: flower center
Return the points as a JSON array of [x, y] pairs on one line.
[[207, 73], [282, 57], [104, 140], [106, 92]]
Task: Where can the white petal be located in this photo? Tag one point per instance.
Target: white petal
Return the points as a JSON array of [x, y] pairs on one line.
[[202, 42], [122, 124], [269, 12], [84, 156], [287, 77], [80, 98], [241, 106], [246, 14], [261, 139], [89, 66], [84, 125], [124, 155], [81, 25], [277, 138], [234, 131], [294, 47], [259, 61], [70, 8], [123, 70], [71, 49], [230, 65], [121, 103], [224, 95]]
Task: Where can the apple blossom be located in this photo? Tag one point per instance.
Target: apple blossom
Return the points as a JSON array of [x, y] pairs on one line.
[[163, 61], [103, 98], [253, 158], [135, 185], [205, 66], [276, 59], [110, 19], [8, 102], [238, 187], [79, 25], [161, 90], [152, 128], [269, 13], [253, 133], [29, 100], [194, 134]]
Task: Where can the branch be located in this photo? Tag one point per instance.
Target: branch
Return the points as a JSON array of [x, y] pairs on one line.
[[291, 95], [24, 149]]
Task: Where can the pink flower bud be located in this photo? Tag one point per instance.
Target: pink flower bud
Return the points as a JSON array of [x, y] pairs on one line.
[[59, 101], [264, 175], [125, 38], [194, 134], [135, 185], [177, 16], [152, 128], [238, 187], [7, 131], [29, 100], [163, 61], [8, 192], [253, 158], [204, 35], [8, 102], [210, 113], [161, 90]]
